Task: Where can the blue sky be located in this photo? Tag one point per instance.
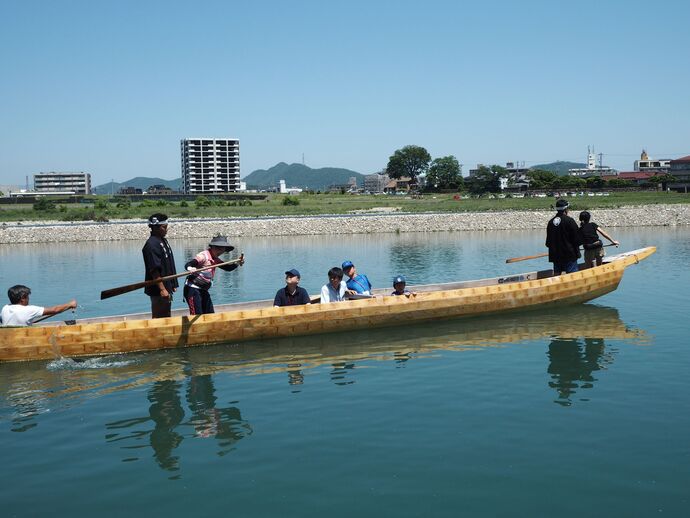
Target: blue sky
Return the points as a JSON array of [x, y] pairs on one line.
[[111, 87]]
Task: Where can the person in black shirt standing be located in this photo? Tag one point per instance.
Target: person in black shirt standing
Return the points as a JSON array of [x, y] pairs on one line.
[[589, 237], [159, 262], [563, 240], [292, 294]]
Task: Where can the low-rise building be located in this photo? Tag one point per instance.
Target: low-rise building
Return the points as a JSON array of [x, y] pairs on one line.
[[65, 183], [645, 163], [680, 170], [129, 190], [160, 189], [376, 182], [592, 169]]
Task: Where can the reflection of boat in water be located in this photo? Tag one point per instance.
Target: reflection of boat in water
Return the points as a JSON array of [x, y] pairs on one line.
[[293, 355], [242, 322]]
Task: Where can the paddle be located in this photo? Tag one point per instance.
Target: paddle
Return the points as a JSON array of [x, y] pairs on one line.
[[114, 292], [39, 319], [527, 257]]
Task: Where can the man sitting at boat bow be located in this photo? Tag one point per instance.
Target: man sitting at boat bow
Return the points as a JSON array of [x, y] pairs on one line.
[[20, 313]]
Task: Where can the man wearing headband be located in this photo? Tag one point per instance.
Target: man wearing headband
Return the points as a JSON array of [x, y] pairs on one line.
[[159, 262], [563, 240]]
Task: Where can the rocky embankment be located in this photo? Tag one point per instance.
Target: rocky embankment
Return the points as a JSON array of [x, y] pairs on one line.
[[52, 232]]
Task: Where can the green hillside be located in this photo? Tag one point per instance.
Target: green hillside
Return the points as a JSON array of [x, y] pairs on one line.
[[140, 182], [559, 167], [301, 176]]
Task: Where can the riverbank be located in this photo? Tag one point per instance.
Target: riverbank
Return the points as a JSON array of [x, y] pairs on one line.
[[53, 232]]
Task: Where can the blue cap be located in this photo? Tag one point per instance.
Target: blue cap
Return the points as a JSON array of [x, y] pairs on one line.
[[398, 279], [347, 265], [293, 273]]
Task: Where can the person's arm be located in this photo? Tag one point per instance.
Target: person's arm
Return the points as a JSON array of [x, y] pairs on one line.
[[277, 300], [191, 265], [229, 267], [306, 299], [325, 296], [613, 241], [54, 310]]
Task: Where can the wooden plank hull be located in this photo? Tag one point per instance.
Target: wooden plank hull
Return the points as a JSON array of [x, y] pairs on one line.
[[488, 296]]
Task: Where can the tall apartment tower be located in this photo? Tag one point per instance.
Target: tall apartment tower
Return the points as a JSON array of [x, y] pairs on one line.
[[210, 165]]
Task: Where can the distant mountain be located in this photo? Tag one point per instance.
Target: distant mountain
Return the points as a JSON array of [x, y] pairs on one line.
[[140, 182], [301, 176], [559, 167]]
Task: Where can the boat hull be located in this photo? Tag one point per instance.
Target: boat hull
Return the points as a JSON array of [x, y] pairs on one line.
[[476, 298]]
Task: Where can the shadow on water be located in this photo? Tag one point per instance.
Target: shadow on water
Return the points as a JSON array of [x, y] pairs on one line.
[[168, 424], [572, 364], [574, 336]]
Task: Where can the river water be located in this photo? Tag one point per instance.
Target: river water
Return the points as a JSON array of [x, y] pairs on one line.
[[579, 410]]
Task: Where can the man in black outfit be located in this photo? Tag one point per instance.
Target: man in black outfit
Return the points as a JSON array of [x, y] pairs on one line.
[[292, 294], [563, 240], [159, 262]]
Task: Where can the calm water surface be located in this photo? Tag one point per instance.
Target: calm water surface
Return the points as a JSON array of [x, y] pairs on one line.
[[573, 411]]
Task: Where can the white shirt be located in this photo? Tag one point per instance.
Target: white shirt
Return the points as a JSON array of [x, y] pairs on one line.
[[18, 315], [329, 294]]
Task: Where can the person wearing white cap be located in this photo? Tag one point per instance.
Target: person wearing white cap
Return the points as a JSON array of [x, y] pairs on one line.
[[159, 262], [197, 284], [563, 240]]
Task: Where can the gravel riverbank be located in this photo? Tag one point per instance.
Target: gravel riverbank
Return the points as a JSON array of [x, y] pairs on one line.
[[50, 232]]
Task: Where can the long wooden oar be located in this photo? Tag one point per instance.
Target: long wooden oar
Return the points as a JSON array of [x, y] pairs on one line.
[[114, 292], [40, 319], [527, 257]]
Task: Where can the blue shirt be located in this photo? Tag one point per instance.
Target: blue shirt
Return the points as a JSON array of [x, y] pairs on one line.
[[360, 284]]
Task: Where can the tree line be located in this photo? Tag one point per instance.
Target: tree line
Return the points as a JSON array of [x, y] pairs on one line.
[[444, 173]]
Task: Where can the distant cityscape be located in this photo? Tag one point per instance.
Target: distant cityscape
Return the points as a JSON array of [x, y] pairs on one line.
[[212, 166]]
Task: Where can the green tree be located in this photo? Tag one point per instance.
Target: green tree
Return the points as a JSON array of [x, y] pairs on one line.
[[541, 179], [409, 161], [486, 179], [202, 201], [663, 179], [444, 173], [44, 204], [595, 182]]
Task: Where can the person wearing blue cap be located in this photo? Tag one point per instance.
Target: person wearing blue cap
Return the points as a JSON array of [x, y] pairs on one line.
[[563, 240], [357, 282], [292, 294], [399, 287]]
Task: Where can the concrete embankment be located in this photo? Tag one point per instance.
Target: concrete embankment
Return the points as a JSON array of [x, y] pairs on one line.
[[52, 232]]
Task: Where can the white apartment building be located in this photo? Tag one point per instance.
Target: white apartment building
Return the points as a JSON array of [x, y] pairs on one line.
[[210, 165], [376, 182], [76, 183]]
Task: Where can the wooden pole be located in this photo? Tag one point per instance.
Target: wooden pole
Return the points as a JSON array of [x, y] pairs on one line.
[[114, 292]]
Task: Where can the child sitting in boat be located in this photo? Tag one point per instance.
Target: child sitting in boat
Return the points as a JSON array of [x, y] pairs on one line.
[[589, 237], [399, 287], [198, 283]]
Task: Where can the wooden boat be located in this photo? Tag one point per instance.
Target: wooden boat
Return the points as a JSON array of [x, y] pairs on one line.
[[259, 320], [291, 355]]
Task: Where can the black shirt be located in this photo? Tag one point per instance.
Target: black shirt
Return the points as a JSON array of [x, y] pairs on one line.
[[158, 259], [588, 233], [283, 298], [562, 239]]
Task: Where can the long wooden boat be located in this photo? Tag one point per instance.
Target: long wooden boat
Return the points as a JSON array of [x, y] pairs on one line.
[[259, 320]]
